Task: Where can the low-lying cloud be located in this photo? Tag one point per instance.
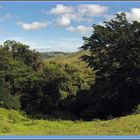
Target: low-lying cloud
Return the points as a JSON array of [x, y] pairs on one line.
[[84, 30], [134, 14], [5, 17], [32, 26]]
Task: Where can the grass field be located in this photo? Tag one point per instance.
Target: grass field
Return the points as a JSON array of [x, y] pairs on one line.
[[14, 123]]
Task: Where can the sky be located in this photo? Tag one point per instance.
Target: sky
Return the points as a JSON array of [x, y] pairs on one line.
[[58, 26]]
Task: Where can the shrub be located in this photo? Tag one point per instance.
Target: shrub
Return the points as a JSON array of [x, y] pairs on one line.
[[136, 110], [10, 102]]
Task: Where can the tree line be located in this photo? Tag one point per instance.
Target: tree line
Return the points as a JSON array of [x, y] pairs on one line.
[[55, 90]]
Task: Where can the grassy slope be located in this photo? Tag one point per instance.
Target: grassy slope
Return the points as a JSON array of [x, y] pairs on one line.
[[14, 123], [69, 58], [74, 60]]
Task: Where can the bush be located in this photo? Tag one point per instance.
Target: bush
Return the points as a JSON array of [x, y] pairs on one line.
[[136, 110], [10, 102], [6, 99]]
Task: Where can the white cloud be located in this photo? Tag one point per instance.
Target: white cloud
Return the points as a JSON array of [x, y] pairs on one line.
[[92, 9], [109, 17], [5, 17], [33, 26], [133, 15], [33, 43], [70, 29], [62, 44], [1, 7], [64, 20], [80, 29], [80, 13], [77, 17], [101, 23], [61, 9]]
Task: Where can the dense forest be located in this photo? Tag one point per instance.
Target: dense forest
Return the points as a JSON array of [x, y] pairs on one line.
[[102, 80]]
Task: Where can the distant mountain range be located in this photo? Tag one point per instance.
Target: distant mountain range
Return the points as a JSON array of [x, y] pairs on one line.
[[54, 54]]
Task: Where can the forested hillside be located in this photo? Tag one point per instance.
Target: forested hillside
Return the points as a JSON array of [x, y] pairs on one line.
[[42, 88], [102, 80]]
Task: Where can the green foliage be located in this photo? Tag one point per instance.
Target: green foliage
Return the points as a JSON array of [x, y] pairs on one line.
[[65, 87], [6, 99], [11, 102], [114, 55], [66, 80], [16, 70], [48, 55], [136, 110]]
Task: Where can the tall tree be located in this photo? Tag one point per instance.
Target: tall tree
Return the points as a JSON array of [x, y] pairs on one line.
[[115, 55]]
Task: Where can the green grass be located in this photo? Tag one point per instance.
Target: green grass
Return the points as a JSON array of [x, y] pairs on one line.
[[72, 58], [14, 123]]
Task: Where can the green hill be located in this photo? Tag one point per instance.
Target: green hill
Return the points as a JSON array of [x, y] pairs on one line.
[[73, 59], [65, 57], [53, 54], [14, 123]]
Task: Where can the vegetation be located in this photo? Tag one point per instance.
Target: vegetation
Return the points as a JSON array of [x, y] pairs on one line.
[[53, 54], [115, 50], [14, 123], [41, 88], [66, 88]]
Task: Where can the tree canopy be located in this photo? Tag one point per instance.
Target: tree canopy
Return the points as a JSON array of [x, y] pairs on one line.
[[65, 87], [115, 56]]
